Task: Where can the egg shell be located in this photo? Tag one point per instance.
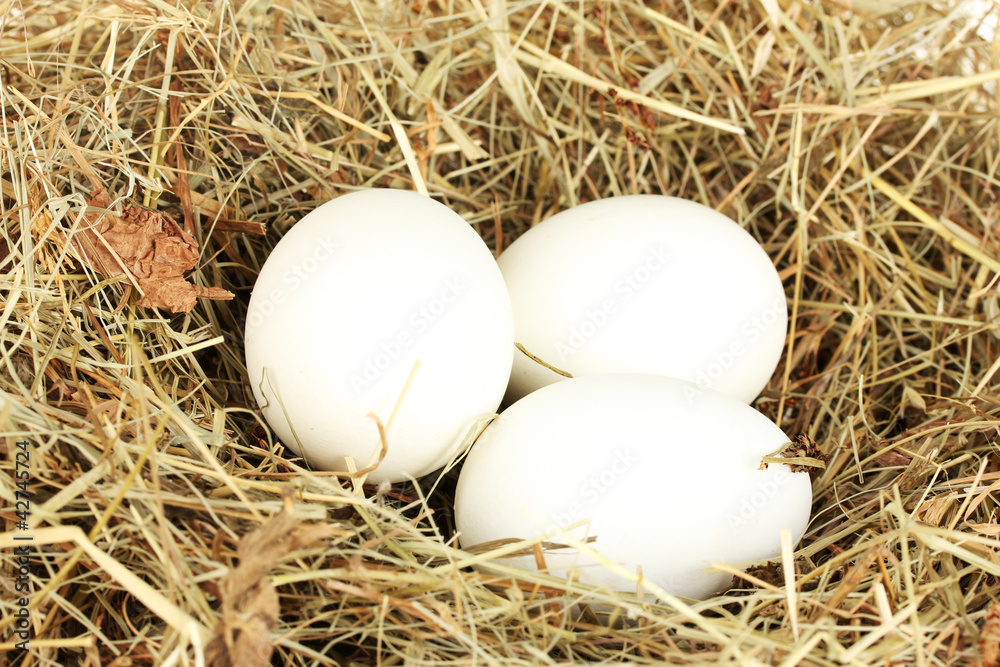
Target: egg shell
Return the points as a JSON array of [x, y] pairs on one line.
[[665, 475], [350, 299], [645, 284]]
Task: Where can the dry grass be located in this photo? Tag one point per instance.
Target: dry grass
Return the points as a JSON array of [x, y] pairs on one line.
[[858, 141]]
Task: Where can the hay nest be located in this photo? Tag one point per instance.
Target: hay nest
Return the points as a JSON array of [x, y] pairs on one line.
[[152, 153]]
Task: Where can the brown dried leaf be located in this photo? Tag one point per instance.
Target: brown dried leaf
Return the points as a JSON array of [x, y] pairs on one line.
[[990, 529], [893, 458], [151, 249], [250, 605]]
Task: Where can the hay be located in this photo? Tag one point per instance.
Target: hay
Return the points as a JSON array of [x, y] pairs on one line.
[[858, 141]]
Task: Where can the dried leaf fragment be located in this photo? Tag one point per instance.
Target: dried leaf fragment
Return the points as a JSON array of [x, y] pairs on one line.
[[893, 458], [990, 529], [150, 248], [800, 455], [250, 605], [989, 638]]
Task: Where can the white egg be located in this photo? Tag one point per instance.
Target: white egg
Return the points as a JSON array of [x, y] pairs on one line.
[[663, 474], [645, 284], [361, 294]]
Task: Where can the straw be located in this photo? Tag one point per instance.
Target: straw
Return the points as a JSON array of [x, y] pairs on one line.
[[856, 142]]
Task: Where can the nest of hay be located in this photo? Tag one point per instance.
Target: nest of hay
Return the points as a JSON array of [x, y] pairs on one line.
[[152, 153]]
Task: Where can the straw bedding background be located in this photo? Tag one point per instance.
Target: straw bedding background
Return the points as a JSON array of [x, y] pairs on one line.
[[857, 141]]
